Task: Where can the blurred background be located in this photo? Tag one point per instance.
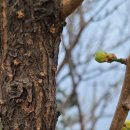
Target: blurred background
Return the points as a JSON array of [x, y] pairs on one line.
[[87, 91]]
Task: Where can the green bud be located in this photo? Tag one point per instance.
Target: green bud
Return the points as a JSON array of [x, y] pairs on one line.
[[101, 56], [126, 125]]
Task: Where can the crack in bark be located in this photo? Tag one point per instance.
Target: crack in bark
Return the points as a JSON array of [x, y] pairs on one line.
[[28, 79]]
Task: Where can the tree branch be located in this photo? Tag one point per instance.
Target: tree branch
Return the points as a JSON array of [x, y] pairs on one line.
[[124, 101], [69, 6]]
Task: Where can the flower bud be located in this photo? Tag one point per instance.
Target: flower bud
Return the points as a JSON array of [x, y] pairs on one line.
[[101, 56], [126, 125]]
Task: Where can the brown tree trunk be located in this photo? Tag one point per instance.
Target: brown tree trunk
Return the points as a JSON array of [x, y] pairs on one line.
[[31, 32]]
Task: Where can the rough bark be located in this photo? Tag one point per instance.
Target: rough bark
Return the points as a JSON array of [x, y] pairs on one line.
[[30, 40], [123, 106]]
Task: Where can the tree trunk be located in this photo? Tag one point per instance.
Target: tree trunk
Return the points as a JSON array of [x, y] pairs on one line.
[[31, 32]]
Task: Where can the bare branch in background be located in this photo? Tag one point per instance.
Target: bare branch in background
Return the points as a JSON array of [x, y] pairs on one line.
[[77, 70]]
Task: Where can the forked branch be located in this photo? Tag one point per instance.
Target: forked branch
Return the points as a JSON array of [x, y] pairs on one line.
[[69, 6]]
